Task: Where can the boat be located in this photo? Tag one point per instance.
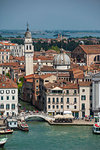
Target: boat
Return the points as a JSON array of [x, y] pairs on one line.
[[96, 126], [6, 131], [23, 126], [3, 141]]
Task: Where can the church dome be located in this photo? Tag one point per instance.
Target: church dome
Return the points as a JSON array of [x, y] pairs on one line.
[[61, 59]]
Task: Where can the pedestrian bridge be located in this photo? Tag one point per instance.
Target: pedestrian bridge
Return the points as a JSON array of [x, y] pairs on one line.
[[38, 115]]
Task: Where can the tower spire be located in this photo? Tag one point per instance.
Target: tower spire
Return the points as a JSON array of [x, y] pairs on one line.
[[27, 26]]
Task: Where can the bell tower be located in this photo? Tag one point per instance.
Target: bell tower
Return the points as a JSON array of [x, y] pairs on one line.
[[29, 52]]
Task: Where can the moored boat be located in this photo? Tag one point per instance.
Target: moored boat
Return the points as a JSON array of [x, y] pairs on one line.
[[23, 126], [3, 141], [6, 131], [96, 126]]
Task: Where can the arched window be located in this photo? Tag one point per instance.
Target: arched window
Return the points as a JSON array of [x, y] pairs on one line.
[[27, 47], [2, 106], [7, 106], [30, 47]]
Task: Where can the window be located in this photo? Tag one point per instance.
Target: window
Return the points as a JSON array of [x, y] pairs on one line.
[[75, 107], [2, 106], [74, 91], [75, 100], [83, 90], [27, 47], [53, 100], [67, 106], [13, 106], [37, 81], [7, 113], [61, 106], [37, 87], [57, 106], [37, 92], [61, 100], [6, 57], [83, 97], [13, 97], [49, 100], [90, 97], [68, 100], [30, 47], [2, 92], [7, 97], [83, 106], [1, 97], [7, 91], [67, 91], [7, 106], [13, 91], [48, 106], [57, 100], [53, 106]]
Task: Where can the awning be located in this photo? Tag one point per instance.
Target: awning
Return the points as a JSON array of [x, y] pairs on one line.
[[70, 116], [67, 112], [58, 116]]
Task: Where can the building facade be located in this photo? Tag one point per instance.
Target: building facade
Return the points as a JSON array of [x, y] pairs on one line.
[[96, 93], [8, 97], [71, 97]]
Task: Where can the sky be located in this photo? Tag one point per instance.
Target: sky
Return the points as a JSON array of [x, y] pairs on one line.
[[50, 14]]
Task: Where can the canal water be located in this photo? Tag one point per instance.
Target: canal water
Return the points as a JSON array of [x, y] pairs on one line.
[[42, 136]]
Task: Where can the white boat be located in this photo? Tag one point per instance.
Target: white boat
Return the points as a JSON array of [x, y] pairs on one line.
[[3, 141], [96, 126]]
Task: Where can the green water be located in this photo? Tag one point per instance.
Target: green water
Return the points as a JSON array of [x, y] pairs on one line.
[[42, 136]]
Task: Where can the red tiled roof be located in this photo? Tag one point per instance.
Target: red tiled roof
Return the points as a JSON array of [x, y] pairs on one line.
[[7, 44], [91, 49], [84, 83], [10, 64], [7, 83], [4, 50]]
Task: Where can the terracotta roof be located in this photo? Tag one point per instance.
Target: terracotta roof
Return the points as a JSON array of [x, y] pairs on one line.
[[71, 86], [10, 64], [43, 58], [7, 44], [63, 74], [4, 50], [32, 76], [46, 75], [85, 83], [91, 49], [48, 69], [7, 83]]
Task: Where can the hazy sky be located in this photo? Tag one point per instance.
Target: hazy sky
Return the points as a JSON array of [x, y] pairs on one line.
[[50, 14]]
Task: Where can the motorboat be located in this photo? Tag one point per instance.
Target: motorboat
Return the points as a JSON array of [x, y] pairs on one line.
[[6, 131], [23, 126], [96, 126], [3, 141]]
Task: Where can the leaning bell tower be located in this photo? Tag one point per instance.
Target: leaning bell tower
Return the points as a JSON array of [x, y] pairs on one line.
[[29, 52]]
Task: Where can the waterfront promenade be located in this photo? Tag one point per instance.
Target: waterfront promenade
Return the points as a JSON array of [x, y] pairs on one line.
[[50, 119]]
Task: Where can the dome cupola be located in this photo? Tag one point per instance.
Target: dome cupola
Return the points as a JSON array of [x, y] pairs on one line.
[[61, 61]]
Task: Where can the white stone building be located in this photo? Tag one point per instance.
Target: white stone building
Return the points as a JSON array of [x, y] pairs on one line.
[[4, 55], [96, 93], [16, 50], [71, 97], [8, 97]]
